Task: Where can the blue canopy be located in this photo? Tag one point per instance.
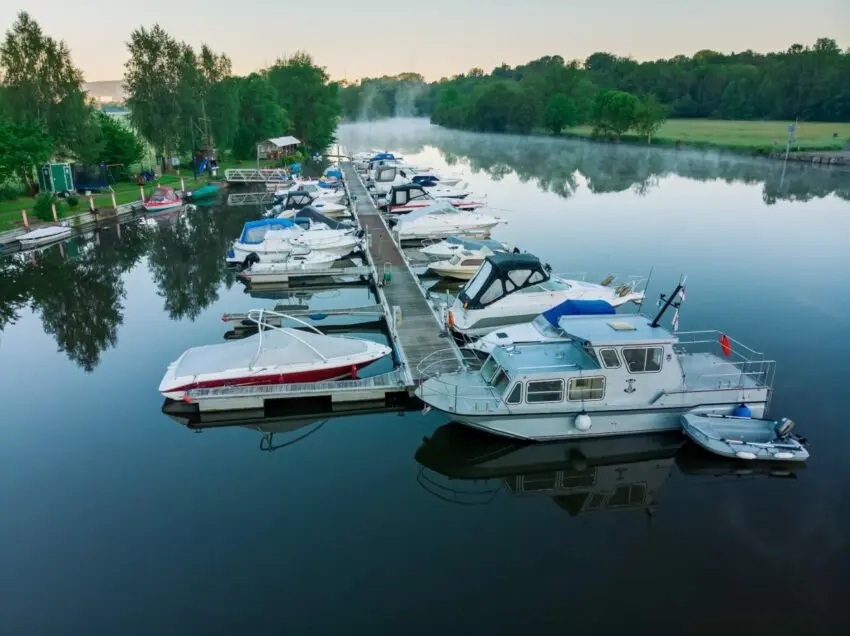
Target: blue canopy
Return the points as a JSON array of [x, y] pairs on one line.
[[476, 244], [426, 180], [383, 156], [295, 168], [333, 172], [255, 231], [577, 308]]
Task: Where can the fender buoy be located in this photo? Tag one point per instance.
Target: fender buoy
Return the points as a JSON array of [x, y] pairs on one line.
[[354, 371], [582, 421], [725, 345], [451, 319]]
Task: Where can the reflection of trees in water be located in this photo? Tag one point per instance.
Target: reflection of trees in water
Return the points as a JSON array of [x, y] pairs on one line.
[[553, 164], [14, 291], [187, 259]]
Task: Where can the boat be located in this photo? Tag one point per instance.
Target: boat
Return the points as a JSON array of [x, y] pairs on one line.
[[309, 218], [622, 374], [275, 355], [44, 235], [402, 199], [208, 190], [281, 271], [741, 436], [286, 205], [162, 199], [461, 266], [515, 288], [544, 328], [450, 246], [272, 240], [441, 219], [429, 177], [326, 194]]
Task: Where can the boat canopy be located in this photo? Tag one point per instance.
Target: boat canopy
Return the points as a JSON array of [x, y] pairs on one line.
[[310, 213], [577, 308], [296, 199], [620, 330], [402, 194], [163, 193], [255, 231], [501, 274], [476, 244], [438, 207], [383, 156]]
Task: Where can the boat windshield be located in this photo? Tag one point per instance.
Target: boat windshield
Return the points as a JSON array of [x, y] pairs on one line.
[[454, 260], [546, 328], [551, 285], [488, 370], [501, 381]]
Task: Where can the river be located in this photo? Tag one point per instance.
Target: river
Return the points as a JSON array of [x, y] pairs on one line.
[[118, 518]]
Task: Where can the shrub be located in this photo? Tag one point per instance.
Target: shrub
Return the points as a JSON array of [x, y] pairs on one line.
[[42, 208], [72, 201]]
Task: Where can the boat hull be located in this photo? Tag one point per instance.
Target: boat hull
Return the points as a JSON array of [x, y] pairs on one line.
[[44, 240], [153, 208], [458, 273]]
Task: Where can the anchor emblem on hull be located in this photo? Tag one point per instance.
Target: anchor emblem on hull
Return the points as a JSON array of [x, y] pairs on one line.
[[631, 387]]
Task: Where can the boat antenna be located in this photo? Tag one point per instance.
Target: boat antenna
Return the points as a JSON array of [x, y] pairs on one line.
[[645, 289], [671, 300]]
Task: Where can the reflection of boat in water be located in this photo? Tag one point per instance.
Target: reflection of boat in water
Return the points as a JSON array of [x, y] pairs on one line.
[[467, 466]]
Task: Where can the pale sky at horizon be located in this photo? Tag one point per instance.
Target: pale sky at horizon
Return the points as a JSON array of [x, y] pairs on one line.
[[437, 38]]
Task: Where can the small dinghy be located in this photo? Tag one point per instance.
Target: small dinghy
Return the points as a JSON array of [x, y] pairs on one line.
[[44, 235], [275, 355], [163, 199], [745, 437], [208, 190]]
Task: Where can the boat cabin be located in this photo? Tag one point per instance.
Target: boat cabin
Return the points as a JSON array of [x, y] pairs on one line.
[[309, 216], [503, 274], [409, 194], [294, 200], [254, 232]]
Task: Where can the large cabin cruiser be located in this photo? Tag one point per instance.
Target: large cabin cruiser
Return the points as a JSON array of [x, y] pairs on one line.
[[407, 197], [273, 240], [440, 220], [275, 355], [616, 375], [516, 288]]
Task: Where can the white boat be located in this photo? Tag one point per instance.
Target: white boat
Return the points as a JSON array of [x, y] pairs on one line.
[[288, 203], [407, 197], [275, 355], [452, 245], [461, 266], [328, 195], [741, 436], [516, 288], [441, 219], [426, 177], [281, 272], [273, 240], [544, 328], [44, 235]]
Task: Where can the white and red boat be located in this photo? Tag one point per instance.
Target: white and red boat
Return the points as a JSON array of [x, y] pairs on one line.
[[412, 196], [163, 199], [275, 355]]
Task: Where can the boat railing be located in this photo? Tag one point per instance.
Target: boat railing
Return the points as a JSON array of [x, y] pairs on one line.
[[712, 340], [260, 317], [736, 366]]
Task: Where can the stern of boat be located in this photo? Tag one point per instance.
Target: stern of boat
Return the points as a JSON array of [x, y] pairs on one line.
[[451, 382]]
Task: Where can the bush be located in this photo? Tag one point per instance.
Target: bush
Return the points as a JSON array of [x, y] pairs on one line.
[[43, 206], [72, 201]]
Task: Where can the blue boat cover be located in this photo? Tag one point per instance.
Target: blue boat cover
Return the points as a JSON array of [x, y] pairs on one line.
[[577, 308], [333, 172], [476, 244], [383, 156], [255, 231]]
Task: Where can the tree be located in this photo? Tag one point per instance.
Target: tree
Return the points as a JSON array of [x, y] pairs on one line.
[[222, 107], [649, 117], [260, 116], [151, 77], [491, 110], [560, 114], [22, 147], [121, 145], [614, 113]]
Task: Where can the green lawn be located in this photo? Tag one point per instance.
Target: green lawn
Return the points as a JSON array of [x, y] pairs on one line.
[[744, 135]]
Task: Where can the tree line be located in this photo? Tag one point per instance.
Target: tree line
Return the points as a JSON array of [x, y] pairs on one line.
[[181, 101], [616, 94]]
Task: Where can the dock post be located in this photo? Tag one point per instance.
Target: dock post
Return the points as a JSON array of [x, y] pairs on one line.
[[91, 203], [114, 204], [182, 185], [26, 221], [118, 229], [142, 193], [53, 209]]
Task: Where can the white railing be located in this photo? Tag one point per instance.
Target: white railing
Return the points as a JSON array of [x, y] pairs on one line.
[[747, 362], [255, 175]]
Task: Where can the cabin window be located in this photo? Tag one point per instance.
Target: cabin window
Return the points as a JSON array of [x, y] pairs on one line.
[[493, 292], [628, 495], [473, 262], [587, 389], [643, 359], [516, 394], [474, 286], [501, 381], [488, 370], [417, 194], [545, 391], [610, 358], [400, 197], [536, 277], [519, 276]]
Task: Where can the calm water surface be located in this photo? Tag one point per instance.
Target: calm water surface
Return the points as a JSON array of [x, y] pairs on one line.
[[120, 519]]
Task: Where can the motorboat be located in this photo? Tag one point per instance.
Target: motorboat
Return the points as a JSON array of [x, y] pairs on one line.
[[162, 199], [544, 328], [44, 235], [309, 218], [275, 355], [516, 288], [441, 219], [428, 178], [315, 189], [203, 192], [461, 266], [288, 203], [404, 198], [741, 436], [282, 271], [623, 374], [273, 240], [446, 248]]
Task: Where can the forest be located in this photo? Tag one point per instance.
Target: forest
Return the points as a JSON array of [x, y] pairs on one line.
[[809, 83]]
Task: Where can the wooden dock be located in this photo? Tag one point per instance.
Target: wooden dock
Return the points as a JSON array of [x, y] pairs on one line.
[[418, 332]]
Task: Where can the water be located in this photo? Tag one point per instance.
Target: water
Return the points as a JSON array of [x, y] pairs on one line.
[[118, 519]]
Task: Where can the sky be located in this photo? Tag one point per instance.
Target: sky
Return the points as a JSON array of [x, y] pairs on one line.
[[437, 38]]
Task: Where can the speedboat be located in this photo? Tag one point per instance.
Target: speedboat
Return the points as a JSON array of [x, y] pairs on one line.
[[407, 197], [273, 240], [461, 266], [309, 218], [44, 235], [326, 194], [622, 374], [515, 288], [162, 199], [544, 328], [441, 219], [428, 178], [281, 271], [275, 355], [287, 203], [741, 436], [452, 245]]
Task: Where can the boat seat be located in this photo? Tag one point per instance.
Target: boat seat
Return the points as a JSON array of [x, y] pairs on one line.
[[783, 428]]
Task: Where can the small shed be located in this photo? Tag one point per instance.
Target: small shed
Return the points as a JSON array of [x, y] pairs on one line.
[[277, 147], [56, 178]]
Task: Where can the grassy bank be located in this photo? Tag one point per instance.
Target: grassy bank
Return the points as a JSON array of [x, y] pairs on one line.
[[747, 136]]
